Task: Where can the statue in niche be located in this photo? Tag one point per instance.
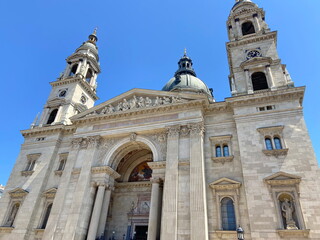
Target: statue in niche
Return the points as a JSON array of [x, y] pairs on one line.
[[148, 102], [141, 102], [125, 105], [133, 102], [287, 212]]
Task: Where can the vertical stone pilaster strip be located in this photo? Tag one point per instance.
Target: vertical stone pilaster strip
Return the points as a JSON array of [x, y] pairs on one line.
[[95, 217], [154, 210], [80, 214], [248, 81], [170, 192], [198, 208], [270, 77]]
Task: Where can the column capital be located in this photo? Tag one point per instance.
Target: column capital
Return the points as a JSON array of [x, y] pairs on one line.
[[155, 180], [83, 143], [196, 129], [173, 131]]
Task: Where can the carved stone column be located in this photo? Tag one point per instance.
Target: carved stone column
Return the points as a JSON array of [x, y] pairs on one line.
[[95, 217], [198, 208], [270, 77], [154, 210], [248, 81], [256, 22], [238, 27], [104, 212], [170, 192]]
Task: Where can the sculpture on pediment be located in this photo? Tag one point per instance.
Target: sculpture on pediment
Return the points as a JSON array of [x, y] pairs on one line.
[[119, 107], [166, 100], [157, 102], [133, 102], [148, 102], [141, 102], [125, 105]]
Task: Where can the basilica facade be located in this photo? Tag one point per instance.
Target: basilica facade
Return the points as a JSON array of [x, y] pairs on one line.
[[170, 164]]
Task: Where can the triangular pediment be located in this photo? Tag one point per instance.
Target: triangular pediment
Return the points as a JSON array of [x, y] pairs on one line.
[[282, 178], [138, 100], [50, 192], [225, 183], [18, 193]]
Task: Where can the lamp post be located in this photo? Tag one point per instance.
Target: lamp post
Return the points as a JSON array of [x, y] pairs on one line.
[[240, 233], [113, 232]]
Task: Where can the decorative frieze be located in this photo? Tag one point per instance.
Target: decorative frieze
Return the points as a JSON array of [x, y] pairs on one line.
[[137, 103], [105, 169]]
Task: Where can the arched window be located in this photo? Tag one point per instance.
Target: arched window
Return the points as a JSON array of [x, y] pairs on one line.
[[225, 151], [218, 151], [46, 216], [89, 75], [247, 28], [268, 144], [52, 116], [12, 215], [277, 143], [228, 216], [259, 81], [61, 164], [73, 70]]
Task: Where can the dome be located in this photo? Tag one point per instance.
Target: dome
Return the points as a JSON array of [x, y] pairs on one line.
[[240, 1], [187, 83], [185, 79]]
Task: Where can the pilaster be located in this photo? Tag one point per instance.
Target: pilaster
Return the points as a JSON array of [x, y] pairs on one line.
[[169, 211], [198, 208]]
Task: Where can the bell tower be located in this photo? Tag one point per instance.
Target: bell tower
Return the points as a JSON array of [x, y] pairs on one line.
[[75, 90], [252, 52]]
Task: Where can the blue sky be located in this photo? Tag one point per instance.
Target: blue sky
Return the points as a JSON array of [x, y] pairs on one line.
[[140, 43]]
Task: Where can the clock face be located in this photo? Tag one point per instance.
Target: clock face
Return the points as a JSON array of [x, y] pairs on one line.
[[63, 93], [83, 99], [253, 53]]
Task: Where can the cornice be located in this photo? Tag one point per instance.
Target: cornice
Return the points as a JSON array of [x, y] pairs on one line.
[[105, 169], [262, 97], [48, 130], [133, 184], [86, 86], [157, 165], [253, 39]]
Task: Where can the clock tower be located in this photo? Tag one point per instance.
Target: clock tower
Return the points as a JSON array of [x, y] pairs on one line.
[[252, 52], [75, 90]]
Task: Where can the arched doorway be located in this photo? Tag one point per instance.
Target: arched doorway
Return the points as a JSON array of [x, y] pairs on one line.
[[128, 214]]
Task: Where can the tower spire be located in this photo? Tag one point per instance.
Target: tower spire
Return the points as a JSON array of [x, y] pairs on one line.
[[93, 37]]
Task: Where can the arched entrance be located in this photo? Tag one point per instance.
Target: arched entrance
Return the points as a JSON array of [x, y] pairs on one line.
[[128, 214]]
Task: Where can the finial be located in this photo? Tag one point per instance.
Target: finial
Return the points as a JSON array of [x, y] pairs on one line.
[[95, 31], [185, 52]]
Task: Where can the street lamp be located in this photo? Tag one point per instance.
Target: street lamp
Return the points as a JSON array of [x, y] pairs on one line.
[[240, 233], [113, 232]]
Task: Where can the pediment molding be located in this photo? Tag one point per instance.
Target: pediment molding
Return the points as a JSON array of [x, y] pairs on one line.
[[18, 193], [140, 101], [225, 184], [50, 193], [282, 178], [38, 131]]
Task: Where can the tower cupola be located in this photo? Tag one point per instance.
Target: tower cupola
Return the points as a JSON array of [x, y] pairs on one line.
[[185, 79], [185, 65]]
